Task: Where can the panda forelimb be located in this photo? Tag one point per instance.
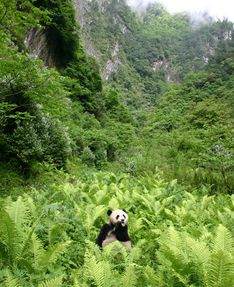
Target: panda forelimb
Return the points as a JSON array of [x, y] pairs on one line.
[[106, 228]]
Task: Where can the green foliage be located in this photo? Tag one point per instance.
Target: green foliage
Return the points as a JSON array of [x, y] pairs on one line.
[[155, 48], [29, 129], [179, 237], [16, 19], [212, 264], [62, 30]]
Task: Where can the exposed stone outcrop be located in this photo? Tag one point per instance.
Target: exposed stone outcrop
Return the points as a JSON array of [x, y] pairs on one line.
[[111, 64], [36, 42]]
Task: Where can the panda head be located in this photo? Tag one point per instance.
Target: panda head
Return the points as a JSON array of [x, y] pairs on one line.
[[118, 215]]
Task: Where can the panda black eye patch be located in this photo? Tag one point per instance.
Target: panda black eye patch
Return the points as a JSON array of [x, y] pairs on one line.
[[117, 216], [124, 216]]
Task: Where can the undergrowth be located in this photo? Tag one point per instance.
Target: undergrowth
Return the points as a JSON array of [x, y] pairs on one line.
[[180, 237]]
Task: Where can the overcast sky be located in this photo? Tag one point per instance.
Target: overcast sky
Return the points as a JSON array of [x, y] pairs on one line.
[[216, 8]]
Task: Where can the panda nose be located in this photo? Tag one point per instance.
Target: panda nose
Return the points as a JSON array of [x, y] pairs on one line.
[[122, 220]]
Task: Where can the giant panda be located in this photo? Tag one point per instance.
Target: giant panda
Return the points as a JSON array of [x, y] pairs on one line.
[[115, 229]]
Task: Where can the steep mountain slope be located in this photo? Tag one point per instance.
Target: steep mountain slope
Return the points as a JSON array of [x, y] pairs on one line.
[[141, 54]]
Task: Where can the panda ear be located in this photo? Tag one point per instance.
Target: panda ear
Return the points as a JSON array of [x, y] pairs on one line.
[[109, 212], [124, 210]]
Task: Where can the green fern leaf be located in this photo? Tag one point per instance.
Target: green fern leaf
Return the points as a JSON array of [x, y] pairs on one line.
[[28, 236], [18, 212], [51, 255], [55, 282], [174, 240], [77, 283], [92, 213], [94, 249], [198, 250], [223, 240], [36, 248], [134, 254], [107, 275], [129, 277], [10, 280], [9, 236], [220, 269], [182, 279], [154, 279], [94, 270], [206, 200]]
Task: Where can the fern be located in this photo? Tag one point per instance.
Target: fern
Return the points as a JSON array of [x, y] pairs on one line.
[[97, 272], [113, 203], [129, 277], [77, 283], [36, 248], [223, 240], [10, 280], [93, 213], [221, 264], [220, 270], [90, 213], [154, 279], [55, 282], [51, 255], [9, 236], [28, 235], [134, 255], [182, 278], [94, 248], [18, 212], [199, 251]]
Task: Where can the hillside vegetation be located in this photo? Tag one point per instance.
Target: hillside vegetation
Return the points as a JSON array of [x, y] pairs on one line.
[[180, 237], [155, 138]]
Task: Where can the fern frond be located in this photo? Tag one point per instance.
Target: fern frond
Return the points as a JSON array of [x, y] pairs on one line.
[[182, 279], [206, 201], [174, 240], [51, 255], [113, 204], [138, 224], [18, 212], [92, 213], [107, 282], [30, 205], [220, 269], [118, 193], [90, 198], [198, 250], [94, 249], [78, 284], [165, 202], [28, 233], [107, 252], [55, 282], [10, 280], [153, 278], [96, 271], [223, 240], [102, 197], [36, 248], [129, 277], [149, 275], [134, 255], [148, 201], [9, 235]]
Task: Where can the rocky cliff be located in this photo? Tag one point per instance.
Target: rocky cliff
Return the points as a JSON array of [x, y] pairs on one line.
[[36, 42]]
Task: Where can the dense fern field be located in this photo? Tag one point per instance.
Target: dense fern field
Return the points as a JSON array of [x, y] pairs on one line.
[[180, 236]]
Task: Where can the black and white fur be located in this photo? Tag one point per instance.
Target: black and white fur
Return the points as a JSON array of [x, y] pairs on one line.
[[115, 229]]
